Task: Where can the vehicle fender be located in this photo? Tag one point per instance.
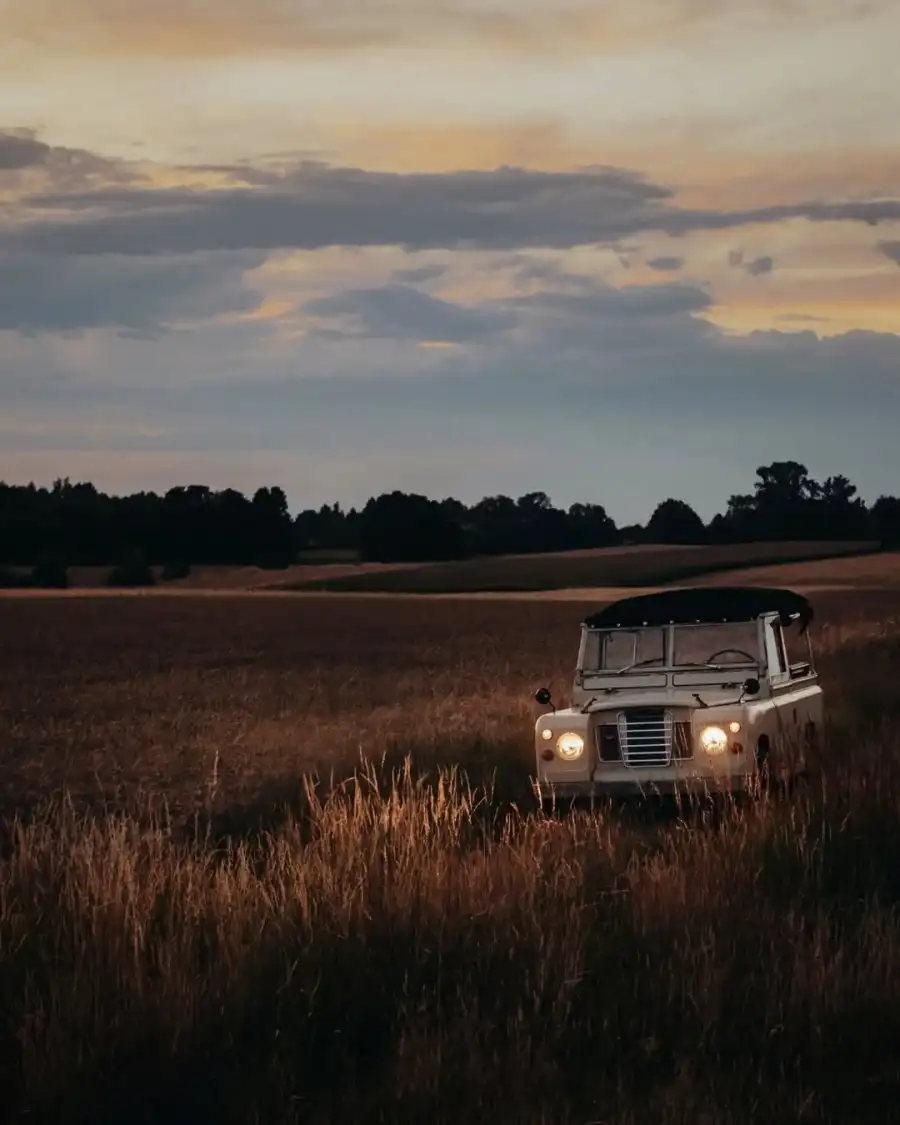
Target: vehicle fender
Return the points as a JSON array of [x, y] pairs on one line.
[[569, 719]]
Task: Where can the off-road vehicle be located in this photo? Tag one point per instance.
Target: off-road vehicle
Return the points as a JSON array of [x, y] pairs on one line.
[[684, 691]]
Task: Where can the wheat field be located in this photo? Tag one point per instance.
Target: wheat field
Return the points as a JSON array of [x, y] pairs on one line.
[[611, 566], [277, 860]]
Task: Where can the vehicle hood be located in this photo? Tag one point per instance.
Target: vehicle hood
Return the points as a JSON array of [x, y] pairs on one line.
[[683, 698]]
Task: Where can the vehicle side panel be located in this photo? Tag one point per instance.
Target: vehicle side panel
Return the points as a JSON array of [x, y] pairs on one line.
[[780, 723]]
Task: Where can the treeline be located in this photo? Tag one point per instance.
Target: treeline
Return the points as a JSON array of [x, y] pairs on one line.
[[76, 525]]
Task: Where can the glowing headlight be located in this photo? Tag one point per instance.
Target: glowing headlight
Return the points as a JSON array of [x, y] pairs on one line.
[[546, 734], [714, 740], [570, 746], [734, 726]]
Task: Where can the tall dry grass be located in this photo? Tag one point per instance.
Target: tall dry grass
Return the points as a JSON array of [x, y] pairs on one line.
[[407, 944]]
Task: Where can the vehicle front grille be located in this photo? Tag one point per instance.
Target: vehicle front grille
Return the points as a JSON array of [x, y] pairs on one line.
[[682, 747], [646, 735], [608, 743]]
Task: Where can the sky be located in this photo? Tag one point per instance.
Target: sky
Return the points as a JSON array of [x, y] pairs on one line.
[[613, 252]]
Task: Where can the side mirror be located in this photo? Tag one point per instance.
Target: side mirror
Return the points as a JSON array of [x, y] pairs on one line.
[[751, 686], [543, 696]]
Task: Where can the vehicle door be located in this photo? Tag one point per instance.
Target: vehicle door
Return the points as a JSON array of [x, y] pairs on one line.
[[795, 694]]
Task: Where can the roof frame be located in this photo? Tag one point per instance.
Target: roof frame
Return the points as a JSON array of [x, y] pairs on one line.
[[697, 605]]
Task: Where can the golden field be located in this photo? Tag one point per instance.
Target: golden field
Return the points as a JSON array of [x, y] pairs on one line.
[[605, 567], [238, 577], [205, 917], [637, 565]]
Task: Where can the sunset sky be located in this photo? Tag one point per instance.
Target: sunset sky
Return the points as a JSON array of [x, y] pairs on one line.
[[613, 251]]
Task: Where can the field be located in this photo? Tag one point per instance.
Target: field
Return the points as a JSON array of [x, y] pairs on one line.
[[616, 566], [237, 577], [642, 565], [205, 917]]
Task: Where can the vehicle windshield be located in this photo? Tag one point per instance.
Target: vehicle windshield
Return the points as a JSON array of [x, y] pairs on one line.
[[735, 642], [615, 650]]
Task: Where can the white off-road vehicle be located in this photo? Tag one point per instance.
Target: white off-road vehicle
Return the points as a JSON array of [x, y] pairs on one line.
[[684, 691]]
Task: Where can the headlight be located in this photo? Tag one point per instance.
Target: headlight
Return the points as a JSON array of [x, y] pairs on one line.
[[570, 746], [546, 734], [714, 740]]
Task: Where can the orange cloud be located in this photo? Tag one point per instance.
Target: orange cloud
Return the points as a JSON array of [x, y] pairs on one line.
[[449, 146], [204, 28], [761, 178], [827, 302], [175, 28], [705, 162], [269, 309]]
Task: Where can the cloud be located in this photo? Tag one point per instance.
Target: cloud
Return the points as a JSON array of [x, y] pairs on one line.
[[29, 165], [315, 205], [558, 317], [93, 245], [759, 265], [634, 377], [627, 326], [801, 318], [632, 301], [530, 271], [649, 394], [63, 294], [420, 274], [400, 312], [724, 172], [204, 28], [755, 267], [21, 149], [891, 250], [666, 263]]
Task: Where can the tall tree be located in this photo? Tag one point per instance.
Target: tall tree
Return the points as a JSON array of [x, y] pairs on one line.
[[675, 521], [885, 520]]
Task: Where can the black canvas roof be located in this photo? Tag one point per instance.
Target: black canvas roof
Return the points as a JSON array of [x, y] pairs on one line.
[[702, 604]]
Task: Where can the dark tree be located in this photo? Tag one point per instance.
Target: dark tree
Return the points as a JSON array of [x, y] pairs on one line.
[[590, 526], [397, 527], [674, 521], [74, 524], [784, 484], [271, 529], [843, 514], [329, 528], [787, 504], [494, 522], [885, 520]]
